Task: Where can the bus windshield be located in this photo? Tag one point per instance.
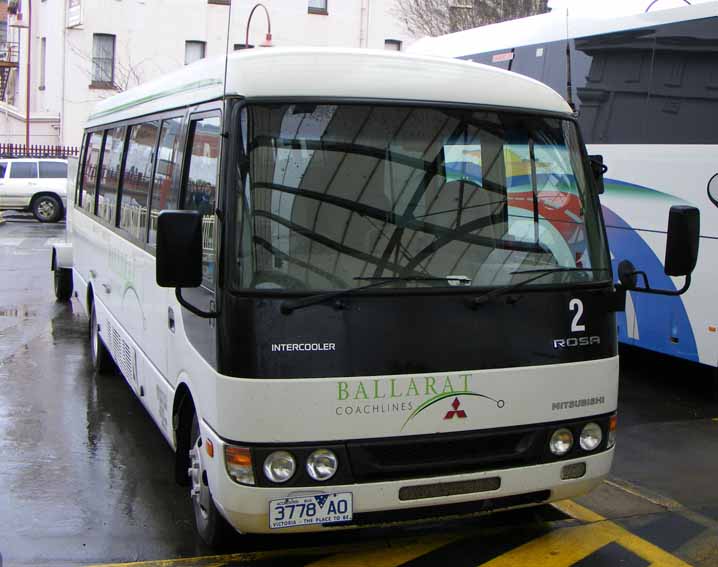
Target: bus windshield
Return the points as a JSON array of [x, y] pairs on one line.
[[332, 196]]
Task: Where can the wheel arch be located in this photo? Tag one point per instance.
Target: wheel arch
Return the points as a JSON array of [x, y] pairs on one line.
[[46, 193], [183, 408]]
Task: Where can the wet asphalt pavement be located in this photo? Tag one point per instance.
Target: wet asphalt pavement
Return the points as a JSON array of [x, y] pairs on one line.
[[86, 477]]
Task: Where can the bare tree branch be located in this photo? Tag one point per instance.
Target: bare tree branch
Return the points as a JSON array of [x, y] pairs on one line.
[[438, 17]]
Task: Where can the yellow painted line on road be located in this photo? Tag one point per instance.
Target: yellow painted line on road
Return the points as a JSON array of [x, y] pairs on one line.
[[566, 546], [220, 560], [393, 554], [371, 554]]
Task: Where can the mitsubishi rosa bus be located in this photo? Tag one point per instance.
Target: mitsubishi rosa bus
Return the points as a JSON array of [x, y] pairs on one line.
[[353, 287]]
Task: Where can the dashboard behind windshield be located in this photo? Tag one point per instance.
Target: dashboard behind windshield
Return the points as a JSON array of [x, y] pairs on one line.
[[330, 196]]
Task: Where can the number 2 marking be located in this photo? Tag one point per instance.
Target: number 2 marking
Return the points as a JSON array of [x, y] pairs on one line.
[[577, 306]]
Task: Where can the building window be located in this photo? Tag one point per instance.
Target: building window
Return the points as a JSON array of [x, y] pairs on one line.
[[193, 51], [240, 46], [103, 59], [392, 44], [318, 7], [220, 2], [43, 60]]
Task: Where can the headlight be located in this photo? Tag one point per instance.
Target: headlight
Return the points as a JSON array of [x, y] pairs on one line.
[[279, 466], [322, 464], [561, 442], [591, 436]]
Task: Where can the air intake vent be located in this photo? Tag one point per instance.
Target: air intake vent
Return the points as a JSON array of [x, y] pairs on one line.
[[125, 356]]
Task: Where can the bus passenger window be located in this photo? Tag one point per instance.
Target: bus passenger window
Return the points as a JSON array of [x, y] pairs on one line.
[[89, 175], [137, 178], [110, 174], [201, 184], [164, 196]]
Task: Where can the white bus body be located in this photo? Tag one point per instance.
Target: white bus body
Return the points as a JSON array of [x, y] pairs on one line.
[[310, 146], [645, 89]]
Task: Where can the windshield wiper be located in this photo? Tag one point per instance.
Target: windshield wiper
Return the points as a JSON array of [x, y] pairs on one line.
[[539, 273], [288, 306]]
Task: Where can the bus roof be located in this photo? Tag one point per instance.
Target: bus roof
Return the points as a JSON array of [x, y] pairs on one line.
[[553, 26], [331, 73]]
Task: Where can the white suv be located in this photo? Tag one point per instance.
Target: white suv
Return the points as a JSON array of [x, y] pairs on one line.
[[37, 185]]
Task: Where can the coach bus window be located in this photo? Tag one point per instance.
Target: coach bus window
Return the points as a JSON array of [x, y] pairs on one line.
[[610, 74], [201, 184], [137, 177], [110, 174], [89, 178], [683, 101], [165, 195], [340, 195]]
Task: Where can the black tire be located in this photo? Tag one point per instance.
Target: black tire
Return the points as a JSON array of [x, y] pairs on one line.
[[62, 280], [210, 524], [101, 359], [47, 208]]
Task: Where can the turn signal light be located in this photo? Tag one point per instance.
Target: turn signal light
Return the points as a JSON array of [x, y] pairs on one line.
[[612, 424], [238, 461], [209, 446]]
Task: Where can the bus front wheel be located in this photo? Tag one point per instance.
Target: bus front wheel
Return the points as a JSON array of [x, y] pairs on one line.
[[211, 526]]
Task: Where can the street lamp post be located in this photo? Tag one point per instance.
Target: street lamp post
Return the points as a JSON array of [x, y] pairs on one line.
[[268, 39]]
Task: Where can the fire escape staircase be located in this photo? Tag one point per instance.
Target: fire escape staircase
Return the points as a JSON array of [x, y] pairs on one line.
[[8, 62]]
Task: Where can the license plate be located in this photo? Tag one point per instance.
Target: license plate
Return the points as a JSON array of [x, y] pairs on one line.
[[306, 510]]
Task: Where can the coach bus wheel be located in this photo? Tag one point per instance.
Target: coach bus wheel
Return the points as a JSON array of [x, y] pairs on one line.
[[101, 359], [62, 280], [47, 208], [211, 526]]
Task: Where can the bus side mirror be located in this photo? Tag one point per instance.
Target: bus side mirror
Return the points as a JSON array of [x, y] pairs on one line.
[[681, 253], [682, 243], [179, 249], [598, 170]]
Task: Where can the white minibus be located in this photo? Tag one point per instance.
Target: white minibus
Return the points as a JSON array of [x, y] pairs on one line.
[[353, 287]]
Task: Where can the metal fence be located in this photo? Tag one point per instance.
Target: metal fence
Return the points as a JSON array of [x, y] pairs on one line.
[[38, 151]]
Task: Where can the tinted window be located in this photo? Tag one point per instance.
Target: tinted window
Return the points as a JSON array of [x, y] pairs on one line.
[[89, 175], [200, 190], [110, 174], [3, 168], [165, 196], [53, 170], [23, 170], [683, 100], [137, 178], [338, 195], [610, 75]]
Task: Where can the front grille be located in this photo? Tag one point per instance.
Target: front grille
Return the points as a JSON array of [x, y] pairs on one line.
[[448, 510], [433, 455], [443, 489]]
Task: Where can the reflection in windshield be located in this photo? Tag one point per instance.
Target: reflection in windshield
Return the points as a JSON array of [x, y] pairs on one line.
[[336, 193]]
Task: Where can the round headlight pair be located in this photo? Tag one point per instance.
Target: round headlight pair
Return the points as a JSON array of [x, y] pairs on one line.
[[280, 466], [562, 439]]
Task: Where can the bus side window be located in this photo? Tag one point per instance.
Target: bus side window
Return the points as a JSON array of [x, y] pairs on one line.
[[200, 189], [137, 178], [89, 175], [164, 195], [110, 174]]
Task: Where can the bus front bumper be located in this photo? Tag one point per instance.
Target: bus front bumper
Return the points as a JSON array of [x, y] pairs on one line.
[[247, 507]]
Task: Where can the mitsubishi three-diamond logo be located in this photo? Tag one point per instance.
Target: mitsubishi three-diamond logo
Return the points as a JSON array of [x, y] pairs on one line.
[[456, 412]]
